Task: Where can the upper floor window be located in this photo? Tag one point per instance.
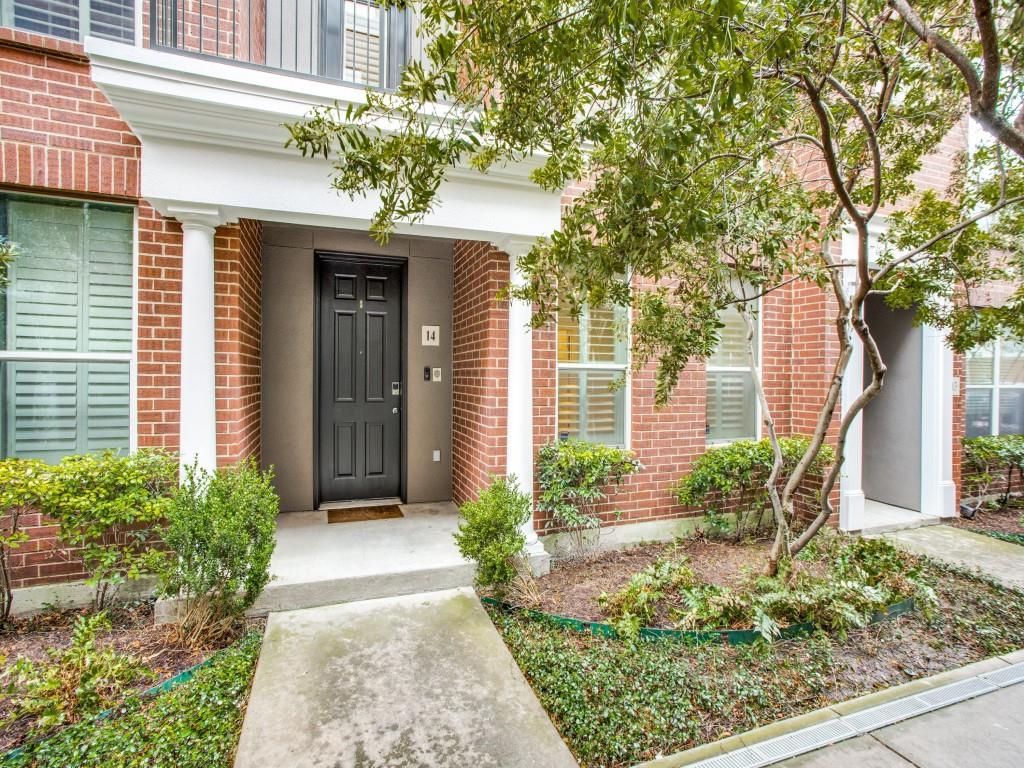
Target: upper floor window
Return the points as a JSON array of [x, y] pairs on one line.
[[732, 401], [995, 389], [65, 328], [592, 360], [72, 19]]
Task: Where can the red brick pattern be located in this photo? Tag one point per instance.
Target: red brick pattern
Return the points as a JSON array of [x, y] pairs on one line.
[[42, 559], [57, 131], [237, 253], [158, 330], [479, 357]]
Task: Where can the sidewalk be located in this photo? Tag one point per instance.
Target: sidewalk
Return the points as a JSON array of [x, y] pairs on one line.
[[987, 731], [1000, 560], [422, 680]]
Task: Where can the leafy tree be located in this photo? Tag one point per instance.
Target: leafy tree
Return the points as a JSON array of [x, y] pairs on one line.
[[728, 146]]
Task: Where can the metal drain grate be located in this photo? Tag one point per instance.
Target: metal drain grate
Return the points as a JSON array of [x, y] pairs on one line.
[[740, 758], [887, 714], [1008, 676], [950, 694], [797, 743]]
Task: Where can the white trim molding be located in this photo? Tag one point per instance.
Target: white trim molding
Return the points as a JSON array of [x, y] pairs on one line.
[[213, 134]]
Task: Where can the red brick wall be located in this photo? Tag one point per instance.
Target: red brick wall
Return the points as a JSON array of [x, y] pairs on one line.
[[57, 131], [59, 135], [667, 440], [479, 355], [158, 330], [237, 252]]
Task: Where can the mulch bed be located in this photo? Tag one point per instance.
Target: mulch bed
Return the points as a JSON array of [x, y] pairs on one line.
[[998, 520], [617, 704], [573, 587], [132, 632]]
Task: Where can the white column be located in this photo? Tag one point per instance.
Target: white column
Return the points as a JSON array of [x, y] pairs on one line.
[[198, 364], [938, 492], [519, 429]]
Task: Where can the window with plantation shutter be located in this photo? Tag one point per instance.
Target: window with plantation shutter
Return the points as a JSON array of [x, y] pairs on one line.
[[995, 389], [732, 402], [66, 329], [72, 19], [591, 375]]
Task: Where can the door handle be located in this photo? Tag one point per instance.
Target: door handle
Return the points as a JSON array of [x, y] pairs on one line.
[[394, 410]]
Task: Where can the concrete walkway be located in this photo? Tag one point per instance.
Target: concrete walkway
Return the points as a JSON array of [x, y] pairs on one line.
[[987, 731], [402, 682], [1001, 560]]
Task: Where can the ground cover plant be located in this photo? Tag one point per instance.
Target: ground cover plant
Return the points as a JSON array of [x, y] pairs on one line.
[[131, 633], [194, 725], [618, 703]]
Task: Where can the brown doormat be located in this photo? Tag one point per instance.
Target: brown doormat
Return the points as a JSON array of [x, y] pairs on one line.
[[355, 514]]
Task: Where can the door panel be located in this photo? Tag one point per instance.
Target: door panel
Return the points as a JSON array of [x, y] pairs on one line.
[[360, 355]]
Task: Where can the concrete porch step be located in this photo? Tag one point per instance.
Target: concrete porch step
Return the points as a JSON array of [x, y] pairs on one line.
[[349, 589], [921, 521]]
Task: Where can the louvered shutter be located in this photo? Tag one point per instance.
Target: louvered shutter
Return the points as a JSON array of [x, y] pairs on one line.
[[70, 292], [591, 362]]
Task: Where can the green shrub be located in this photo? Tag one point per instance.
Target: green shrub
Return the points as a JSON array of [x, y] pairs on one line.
[[491, 531], [574, 476], [220, 533], [75, 683], [194, 725], [107, 506], [991, 460], [732, 478], [20, 484]]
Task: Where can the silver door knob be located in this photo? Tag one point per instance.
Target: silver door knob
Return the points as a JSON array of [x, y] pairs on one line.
[[394, 410]]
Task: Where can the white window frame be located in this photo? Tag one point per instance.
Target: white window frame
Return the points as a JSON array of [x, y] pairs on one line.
[[627, 387], [758, 368], [995, 388], [84, 19], [132, 358]]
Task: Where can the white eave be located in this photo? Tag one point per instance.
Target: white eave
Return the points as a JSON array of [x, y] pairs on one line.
[[212, 134]]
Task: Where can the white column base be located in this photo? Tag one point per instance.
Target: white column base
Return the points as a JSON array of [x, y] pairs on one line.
[[851, 510]]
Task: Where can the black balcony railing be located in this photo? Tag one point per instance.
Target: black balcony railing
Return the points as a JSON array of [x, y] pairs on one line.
[[351, 41]]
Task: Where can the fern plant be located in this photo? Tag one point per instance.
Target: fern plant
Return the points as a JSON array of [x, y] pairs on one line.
[[75, 683]]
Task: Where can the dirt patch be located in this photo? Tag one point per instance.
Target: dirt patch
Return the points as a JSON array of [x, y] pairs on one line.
[[132, 632], [573, 587], [996, 519]]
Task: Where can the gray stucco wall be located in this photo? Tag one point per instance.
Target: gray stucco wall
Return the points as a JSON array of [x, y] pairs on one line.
[[289, 307], [892, 421]]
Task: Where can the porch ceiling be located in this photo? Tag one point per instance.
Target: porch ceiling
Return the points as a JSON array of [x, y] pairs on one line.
[[213, 135]]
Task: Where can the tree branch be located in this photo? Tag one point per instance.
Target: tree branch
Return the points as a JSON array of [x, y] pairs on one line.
[[983, 91]]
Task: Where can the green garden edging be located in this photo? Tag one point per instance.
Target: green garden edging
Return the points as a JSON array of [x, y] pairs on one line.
[[1013, 538], [728, 636], [167, 685]]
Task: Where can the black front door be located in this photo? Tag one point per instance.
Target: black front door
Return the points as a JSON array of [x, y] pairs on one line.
[[360, 387]]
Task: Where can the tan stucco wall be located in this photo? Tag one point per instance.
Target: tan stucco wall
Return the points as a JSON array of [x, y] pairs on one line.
[[289, 307]]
